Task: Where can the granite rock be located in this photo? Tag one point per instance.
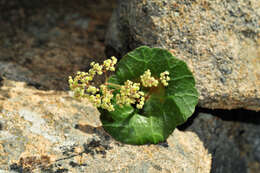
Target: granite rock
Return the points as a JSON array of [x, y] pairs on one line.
[[48, 131], [235, 146], [219, 40]]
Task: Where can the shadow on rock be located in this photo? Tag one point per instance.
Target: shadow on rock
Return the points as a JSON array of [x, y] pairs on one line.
[[232, 137]]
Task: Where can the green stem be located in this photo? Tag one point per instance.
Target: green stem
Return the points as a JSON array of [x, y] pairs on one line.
[[112, 84]]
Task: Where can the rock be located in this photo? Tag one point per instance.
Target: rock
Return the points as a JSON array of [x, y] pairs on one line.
[[219, 40], [48, 131], [1, 80], [235, 146], [45, 42], [15, 72]]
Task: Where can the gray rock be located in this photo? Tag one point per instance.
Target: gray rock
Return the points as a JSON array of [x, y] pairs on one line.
[[48, 131], [219, 40], [82, 23], [235, 146], [14, 71]]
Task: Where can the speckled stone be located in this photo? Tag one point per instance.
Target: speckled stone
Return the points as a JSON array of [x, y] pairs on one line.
[[48, 131], [235, 146], [219, 40]]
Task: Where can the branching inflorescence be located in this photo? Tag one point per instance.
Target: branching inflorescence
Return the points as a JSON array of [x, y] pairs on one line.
[[148, 96], [127, 94]]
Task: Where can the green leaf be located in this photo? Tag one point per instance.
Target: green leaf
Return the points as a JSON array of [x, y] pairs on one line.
[[165, 109]]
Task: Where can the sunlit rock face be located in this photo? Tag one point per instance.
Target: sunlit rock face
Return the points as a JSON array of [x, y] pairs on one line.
[[49, 130], [220, 41]]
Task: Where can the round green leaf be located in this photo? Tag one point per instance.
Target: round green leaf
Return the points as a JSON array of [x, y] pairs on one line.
[[165, 109]]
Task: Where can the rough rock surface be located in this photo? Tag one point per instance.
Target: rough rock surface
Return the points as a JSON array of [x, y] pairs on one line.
[[48, 131], [43, 42], [235, 146], [220, 41]]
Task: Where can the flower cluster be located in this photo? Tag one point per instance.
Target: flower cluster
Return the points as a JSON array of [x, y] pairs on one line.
[[107, 96], [147, 80], [164, 77], [129, 93], [110, 63], [81, 84], [96, 68]]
